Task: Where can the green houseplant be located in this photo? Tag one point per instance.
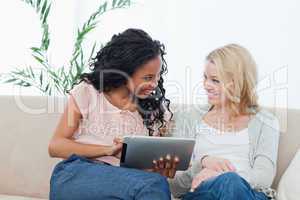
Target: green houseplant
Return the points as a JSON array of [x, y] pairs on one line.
[[45, 77]]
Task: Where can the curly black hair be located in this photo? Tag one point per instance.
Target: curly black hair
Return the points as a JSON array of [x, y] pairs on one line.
[[124, 54]]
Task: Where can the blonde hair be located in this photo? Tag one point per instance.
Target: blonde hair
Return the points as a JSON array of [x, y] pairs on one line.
[[237, 71]]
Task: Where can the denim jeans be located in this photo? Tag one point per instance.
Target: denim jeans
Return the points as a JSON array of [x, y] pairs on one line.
[[79, 178], [228, 186]]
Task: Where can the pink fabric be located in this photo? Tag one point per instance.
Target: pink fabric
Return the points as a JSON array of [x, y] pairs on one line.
[[102, 121]]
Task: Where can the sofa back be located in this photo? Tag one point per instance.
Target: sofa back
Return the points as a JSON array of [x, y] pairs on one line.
[[26, 125], [28, 122]]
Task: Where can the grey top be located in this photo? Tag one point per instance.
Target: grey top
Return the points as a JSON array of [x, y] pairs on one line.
[[263, 136]]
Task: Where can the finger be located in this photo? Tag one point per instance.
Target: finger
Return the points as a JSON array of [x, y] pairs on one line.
[[155, 165], [196, 183], [118, 140], [171, 173], [172, 170], [119, 146], [207, 176], [161, 163], [159, 167], [225, 168], [165, 172], [230, 166], [115, 141], [175, 162], [149, 170], [218, 168], [168, 163]]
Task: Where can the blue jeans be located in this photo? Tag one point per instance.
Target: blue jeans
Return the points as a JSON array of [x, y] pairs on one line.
[[228, 186], [79, 178]]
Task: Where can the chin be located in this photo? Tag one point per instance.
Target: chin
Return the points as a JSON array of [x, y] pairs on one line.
[[142, 96], [213, 102]]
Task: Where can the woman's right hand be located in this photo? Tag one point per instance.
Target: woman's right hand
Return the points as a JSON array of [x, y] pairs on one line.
[[116, 148], [217, 164]]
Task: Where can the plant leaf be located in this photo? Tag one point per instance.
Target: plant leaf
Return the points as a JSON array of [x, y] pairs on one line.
[[40, 60], [31, 72], [10, 80], [41, 78], [46, 14], [46, 89], [44, 7], [114, 3], [38, 2]]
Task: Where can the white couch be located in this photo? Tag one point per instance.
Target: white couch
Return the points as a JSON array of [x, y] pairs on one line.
[[27, 124]]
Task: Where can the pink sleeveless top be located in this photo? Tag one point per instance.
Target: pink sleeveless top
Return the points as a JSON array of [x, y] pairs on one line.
[[101, 121]]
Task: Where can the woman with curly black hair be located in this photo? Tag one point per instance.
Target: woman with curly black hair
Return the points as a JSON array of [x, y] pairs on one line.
[[123, 94]]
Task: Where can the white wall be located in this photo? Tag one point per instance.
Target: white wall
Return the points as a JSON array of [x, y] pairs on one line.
[[190, 29], [20, 30]]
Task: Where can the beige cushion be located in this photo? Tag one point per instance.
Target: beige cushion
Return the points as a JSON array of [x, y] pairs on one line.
[[25, 166], [289, 139], [289, 185], [7, 197]]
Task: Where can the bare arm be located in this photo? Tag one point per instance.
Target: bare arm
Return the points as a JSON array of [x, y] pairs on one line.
[[62, 145]]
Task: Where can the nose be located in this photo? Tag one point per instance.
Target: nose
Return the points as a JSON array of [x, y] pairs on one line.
[[154, 82], [207, 84]]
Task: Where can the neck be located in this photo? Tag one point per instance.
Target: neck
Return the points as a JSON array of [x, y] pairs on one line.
[[223, 112], [221, 108], [122, 98]]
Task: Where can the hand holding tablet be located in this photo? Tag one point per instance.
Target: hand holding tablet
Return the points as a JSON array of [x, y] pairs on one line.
[[140, 151], [166, 166]]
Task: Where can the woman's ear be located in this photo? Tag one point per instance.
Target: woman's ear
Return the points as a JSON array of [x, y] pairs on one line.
[[129, 85]]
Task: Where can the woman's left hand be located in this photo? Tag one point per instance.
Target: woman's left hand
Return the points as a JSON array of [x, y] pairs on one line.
[[203, 175], [166, 166]]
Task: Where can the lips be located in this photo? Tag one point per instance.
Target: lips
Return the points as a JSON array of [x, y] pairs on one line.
[[147, 92], [212, 95]]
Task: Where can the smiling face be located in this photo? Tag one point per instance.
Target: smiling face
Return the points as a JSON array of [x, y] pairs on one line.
[[213, 85], [230, 79], [145, 79]]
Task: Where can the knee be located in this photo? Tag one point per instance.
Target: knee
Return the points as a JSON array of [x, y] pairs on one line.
[[230, 177], [153, 186], [233, 180], [158, 179], [157, 182]]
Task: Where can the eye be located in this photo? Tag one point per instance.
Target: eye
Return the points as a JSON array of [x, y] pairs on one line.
[[215, 81], [147, 78]]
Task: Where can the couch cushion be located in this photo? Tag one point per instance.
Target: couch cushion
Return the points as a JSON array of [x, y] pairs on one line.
[[289, 139], [8, 197], [26, 125], [289, 184]]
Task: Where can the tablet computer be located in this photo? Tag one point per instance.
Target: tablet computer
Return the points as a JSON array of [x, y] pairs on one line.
[[140, 151]]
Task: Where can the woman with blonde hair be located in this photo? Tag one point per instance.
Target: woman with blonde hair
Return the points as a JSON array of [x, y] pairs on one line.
[[237, 141]]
